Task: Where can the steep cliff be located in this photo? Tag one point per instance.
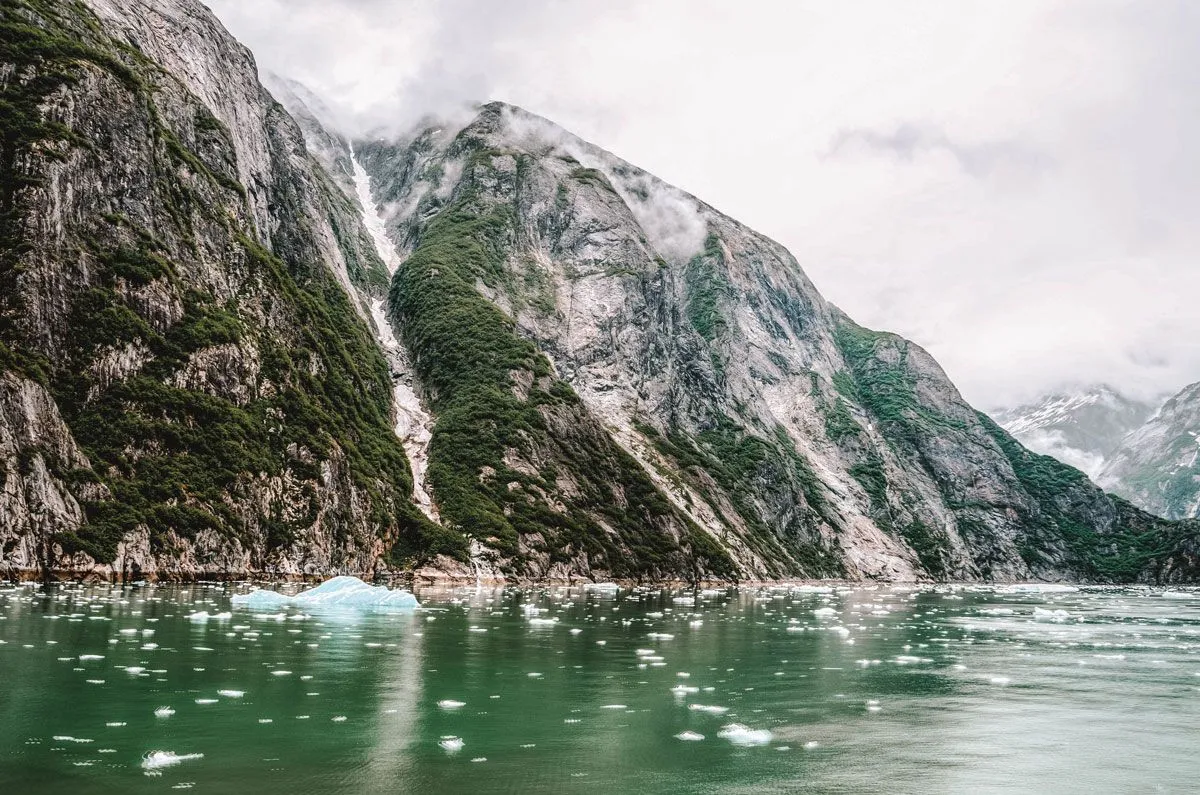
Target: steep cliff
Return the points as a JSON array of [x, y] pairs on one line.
[[189, 386], [550, 290]]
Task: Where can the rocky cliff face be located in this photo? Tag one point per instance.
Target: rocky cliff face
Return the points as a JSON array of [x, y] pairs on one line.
[[190, 384], [225, 331], [1158, 465], [561, 298]]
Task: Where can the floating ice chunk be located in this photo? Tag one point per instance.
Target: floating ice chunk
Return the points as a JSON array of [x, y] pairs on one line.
[[231, 693], [116, 724], [348, 592], [1178, 595], [451, 744], [281, 673], [660, 636], [338, 719], [906, 659], [207, 700], [134, 669], [1057, 616], [534, 675], [66, 738], [824, 612], [449, 703], [811, 744], [576, 630], [163, 712], [738, 734], [156, 760], [811, 589], [602, 586], [708, 708], [999, 680], [86, 657], [997, 611], [614, 706], [1038, 587], [689, 737], [543, 622], [199, 616]]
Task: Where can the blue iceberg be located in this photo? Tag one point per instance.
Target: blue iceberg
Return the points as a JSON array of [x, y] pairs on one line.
[[349, 592]]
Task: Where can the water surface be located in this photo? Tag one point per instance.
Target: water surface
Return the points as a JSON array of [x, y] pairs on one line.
[[571, 690]]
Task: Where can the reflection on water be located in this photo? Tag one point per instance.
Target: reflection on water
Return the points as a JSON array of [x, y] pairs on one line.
[[946, 689]]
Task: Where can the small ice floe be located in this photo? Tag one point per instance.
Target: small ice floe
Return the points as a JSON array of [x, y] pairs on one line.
[[997, 611], [1038, 587], [576, 630], [231, 693], [338, 719], [873, 706], [712, 710], [811, 744], [660, 636], [199, 616], [134, 670], [281, 673], [66, 738], [1055, 616], [451, 744], [542, 622], [683, 690], [479, 759], [1178, 595], [116, 724], [824, 612], [163, 712], [534, 675], [86, 657], [999, 680], [689, 737], [907, 659], [614, 706], [347, 592], [739, 734], [602, 586], [205, 701], [449, 703], [265, 720], [155, 761]]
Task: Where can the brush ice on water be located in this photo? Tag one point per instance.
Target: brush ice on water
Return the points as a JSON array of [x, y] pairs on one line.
[[348, 592]]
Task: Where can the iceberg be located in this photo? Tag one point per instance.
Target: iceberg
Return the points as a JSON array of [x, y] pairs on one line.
[[349, 592]]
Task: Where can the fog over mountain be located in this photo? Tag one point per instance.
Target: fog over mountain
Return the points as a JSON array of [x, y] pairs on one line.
[[1010, 185]]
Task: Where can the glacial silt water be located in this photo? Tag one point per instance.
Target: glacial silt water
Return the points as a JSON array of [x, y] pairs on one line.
[[948, 689]]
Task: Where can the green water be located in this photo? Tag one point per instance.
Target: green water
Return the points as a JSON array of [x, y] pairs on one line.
[[895, 690]]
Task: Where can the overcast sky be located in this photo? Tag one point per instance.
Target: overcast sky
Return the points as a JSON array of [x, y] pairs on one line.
[[1014, 185]]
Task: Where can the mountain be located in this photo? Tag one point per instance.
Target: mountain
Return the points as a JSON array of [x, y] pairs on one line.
[[1156, 466], [1079, 427], [234, 341]]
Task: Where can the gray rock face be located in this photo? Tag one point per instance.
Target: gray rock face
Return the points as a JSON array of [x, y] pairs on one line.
[[1157, 466], [181, 300], [1081, 428], [799, 442]]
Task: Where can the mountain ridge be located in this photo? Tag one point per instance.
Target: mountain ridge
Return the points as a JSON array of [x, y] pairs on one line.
[[616, 379]]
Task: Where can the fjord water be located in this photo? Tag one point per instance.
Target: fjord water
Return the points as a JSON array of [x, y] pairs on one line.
[[943, 689]]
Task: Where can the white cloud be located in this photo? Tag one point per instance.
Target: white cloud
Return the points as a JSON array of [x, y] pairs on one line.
[[1013, 185]]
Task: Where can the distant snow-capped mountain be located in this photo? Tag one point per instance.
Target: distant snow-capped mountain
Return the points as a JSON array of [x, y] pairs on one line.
[[1157, 466], [1080, 427]]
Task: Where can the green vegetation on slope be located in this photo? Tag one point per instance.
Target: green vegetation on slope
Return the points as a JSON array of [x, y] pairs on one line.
[[173, 458], [498, 405]]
